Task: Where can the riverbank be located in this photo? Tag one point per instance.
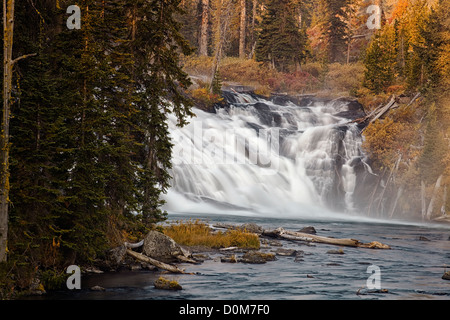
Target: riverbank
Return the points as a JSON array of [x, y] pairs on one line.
[[411, 269]]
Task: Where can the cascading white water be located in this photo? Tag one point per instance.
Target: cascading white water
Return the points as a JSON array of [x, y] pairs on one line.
[[256, 156]]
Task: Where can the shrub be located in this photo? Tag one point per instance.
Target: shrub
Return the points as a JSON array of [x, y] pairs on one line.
[[344, 77], [204, 99], [196, 65]]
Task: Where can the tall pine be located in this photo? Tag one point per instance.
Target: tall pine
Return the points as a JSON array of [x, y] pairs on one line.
[[282, 41]]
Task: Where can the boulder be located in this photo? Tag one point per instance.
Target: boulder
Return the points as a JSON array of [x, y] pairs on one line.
[[309, 230], [340, 251], [166, 284], [252, 228], [446, 275], [115, 258], [163, 248]]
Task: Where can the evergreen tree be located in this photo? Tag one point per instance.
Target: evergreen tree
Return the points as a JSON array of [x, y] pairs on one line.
[[330, 21], [90, 149], [429, 50], [380, 60], [281, 42]]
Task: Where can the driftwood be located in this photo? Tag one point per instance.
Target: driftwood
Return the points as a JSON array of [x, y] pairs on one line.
[[154, 262], [300, 236], [134, 245]]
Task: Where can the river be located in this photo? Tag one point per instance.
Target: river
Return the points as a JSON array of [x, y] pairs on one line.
[[411, 269]]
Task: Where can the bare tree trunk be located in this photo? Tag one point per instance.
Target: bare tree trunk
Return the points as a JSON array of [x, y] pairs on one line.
[[8, 63], [433, 197], [223, 19], [399, 194], [8, 27], [422, 194], [154, 262], [242, 31], [444, 201], [203, 43]]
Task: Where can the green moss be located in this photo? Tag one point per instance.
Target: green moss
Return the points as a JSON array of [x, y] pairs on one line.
[[163, 283]]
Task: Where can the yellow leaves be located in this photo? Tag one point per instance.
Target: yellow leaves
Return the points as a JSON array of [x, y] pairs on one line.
[[205, 99], [386, 139]]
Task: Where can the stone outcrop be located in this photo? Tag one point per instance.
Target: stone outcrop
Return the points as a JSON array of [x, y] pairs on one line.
[[163, 248]]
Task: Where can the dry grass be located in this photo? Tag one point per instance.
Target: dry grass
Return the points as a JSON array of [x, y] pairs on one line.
[[192, 233], [344, 78]]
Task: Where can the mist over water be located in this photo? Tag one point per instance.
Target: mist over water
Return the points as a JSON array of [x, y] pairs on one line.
[[268, 158]]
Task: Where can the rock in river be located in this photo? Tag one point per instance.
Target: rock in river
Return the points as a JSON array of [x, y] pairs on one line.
[[257, 257], [163, 248], [446, 275]]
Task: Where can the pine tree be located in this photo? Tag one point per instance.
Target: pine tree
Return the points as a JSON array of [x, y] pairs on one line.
[[330, 22], [380, 60], [427, 70], [281, 42]]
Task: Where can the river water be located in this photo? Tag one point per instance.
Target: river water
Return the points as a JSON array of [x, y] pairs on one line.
[[411, 269]]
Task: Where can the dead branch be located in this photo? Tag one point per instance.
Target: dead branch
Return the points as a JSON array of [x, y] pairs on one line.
[[154, 262], [378, 112], [23, 57]]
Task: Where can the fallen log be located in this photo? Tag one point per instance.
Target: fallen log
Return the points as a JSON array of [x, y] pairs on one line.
[[154, 262], [300, 236], [134, 245]]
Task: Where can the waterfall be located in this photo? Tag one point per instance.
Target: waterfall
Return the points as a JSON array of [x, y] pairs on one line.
[[283, 155]]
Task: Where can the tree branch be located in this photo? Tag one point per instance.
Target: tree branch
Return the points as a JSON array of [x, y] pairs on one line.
[[23, 57]]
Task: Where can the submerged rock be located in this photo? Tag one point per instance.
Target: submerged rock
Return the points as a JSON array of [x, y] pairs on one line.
[[340, 251], [257, 257], [285, 252], [97, 288]]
